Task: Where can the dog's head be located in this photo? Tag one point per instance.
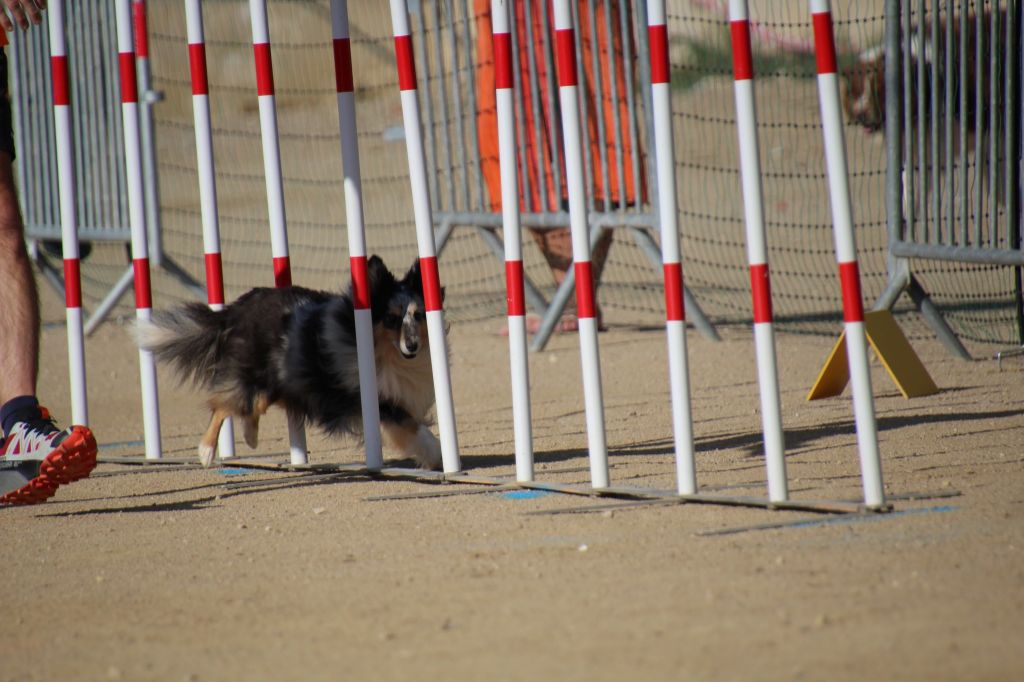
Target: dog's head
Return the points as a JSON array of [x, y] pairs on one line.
[[398, 308], [864, 90]]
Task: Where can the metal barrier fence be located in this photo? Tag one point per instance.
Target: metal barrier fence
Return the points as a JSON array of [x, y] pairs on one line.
[[953, 187], [98, 141]]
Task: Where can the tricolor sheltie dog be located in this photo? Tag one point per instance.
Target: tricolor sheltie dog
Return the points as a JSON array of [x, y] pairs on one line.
[[296, 348]]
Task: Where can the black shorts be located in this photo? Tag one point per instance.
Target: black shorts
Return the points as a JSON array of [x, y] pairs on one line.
[[6, 129]]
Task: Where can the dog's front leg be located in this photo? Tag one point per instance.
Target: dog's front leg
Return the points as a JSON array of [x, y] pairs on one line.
[[411, 437]]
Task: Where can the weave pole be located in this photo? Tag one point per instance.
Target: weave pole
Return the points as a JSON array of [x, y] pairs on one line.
[[146, 131], [425, 237], [675, 309], [137, 217], [275, 183], [207, 182], [356, 230], [568, 83], [757, 254], [68, 214], [846, 253], [513, 241]]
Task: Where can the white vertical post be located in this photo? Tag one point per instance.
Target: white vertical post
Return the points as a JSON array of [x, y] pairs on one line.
[[515, 296], [207, 181], [846, 254], [425, 237], [136, 210], [68, 215], [147, 133], [585, 308], [274, 182], [757, 253], [675, 312], [356, 233]]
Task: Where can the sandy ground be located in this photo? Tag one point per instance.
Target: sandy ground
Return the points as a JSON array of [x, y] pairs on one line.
[[172, 572]]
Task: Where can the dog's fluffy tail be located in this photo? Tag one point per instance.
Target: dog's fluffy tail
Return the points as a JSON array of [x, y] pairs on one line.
[[186, 337]]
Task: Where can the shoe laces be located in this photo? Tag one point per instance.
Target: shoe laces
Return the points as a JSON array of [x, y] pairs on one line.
[[37, 432]]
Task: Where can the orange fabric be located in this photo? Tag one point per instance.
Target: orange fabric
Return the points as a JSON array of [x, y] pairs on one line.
[[530, 129]]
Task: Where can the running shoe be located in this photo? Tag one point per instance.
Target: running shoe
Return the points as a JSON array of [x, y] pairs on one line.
[[46, 457]]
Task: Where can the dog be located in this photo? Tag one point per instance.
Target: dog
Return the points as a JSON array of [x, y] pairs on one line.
[[864, 94], [296, 348]]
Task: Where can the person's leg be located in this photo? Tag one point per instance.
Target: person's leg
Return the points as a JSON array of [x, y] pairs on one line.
[[35, 456], [19, 302], [556, 245]]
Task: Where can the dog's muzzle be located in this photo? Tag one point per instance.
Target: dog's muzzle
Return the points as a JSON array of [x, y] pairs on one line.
[[409, 338]]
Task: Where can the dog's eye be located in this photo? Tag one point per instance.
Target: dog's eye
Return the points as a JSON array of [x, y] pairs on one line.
[[392, 320], [418, 316]]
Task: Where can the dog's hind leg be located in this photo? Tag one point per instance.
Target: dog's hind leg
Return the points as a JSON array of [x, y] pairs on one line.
[[251, 422], [251, 430], [208, 444], [412, 438]]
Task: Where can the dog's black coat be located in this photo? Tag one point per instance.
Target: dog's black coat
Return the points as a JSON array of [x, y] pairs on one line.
[[291, 346]]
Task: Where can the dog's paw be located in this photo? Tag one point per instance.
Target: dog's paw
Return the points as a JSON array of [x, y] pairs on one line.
[[206, 454], [426, 449]]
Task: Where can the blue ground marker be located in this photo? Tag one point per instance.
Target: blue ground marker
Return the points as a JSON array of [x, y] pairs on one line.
[[526, 494]]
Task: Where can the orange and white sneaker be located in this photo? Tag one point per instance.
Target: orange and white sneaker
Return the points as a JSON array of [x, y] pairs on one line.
[[39, 458]]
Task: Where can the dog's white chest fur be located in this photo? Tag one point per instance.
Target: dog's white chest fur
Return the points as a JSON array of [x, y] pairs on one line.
[[408, 382]]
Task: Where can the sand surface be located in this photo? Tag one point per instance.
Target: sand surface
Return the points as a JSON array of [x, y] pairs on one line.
[[172, 572]]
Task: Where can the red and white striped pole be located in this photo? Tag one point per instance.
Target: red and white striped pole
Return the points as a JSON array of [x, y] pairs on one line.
[[274, 183], [356, 233], [568, 83], [846, 253], [515, 296], [68, 214], [137, 217], [425, 237], [675, 311], [207, 180], [757, 254]]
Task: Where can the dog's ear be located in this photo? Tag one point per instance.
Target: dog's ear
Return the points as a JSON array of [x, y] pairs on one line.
[[377, 273], [413, 278]]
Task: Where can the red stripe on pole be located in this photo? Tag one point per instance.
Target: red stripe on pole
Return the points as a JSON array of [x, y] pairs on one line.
[[584, 290], [214, 279], [129, 90], [675, 311], [657, 38], [824, 43], [853, 302], [565, 45], [514, 288], [282, 272], [72, 283], [264, 69], [343, 64], [141, 37], [143, 298], [360, 282], [197, 64], [503, 79], [59, 69], [761, 293], [431, 283], [406, 64], [742, 62]]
